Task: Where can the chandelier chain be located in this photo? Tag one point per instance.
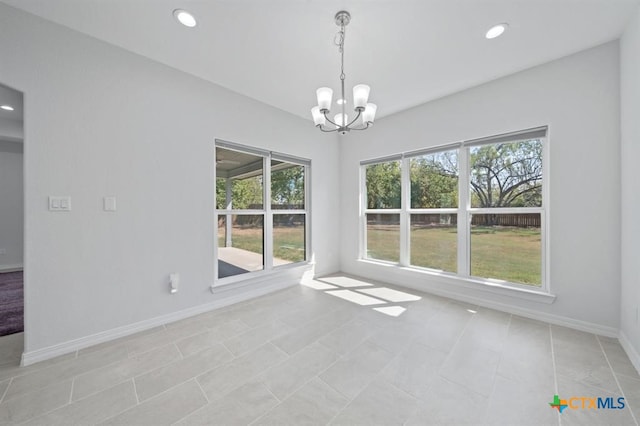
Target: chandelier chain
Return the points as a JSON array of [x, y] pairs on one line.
[[339, 41]]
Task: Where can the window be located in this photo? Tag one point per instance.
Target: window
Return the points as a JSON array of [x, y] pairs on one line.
[[254, 235], [383, 191], [433, 213], [474, 209]]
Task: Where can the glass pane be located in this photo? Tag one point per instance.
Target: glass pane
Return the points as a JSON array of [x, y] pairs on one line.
[[288, 239], [507, 174], [244, 173], [241, 250], [383, 185], [507, 247], [287, 186], [434, 180], [222, 230], [434, 241], [221, 193], [383, 237]]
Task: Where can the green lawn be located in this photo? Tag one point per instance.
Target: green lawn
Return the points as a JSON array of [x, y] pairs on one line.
[[288, 242], [505, 253]]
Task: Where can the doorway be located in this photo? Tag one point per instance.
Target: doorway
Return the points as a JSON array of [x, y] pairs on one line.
[[11, 220]]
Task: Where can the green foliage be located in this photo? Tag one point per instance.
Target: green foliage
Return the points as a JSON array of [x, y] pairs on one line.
[[434, 180], [247, 193], [507, 174], [287, 189], [287, 186], [383, 185]]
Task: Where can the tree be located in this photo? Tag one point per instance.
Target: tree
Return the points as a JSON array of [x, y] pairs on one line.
[[383, 185], [434, 180], [287, 186], [507, 174]]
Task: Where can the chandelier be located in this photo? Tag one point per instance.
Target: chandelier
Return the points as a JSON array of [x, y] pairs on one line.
[[362, 108]]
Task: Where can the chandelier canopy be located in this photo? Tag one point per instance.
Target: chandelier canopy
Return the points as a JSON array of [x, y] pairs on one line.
[[340, 122]]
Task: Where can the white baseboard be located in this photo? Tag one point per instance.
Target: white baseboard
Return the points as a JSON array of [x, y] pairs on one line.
[[11, 268], [632, 353], [249, 292], [575, 324]]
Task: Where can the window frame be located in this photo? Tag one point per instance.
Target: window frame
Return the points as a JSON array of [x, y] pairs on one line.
[[267, 212], [464, 210]]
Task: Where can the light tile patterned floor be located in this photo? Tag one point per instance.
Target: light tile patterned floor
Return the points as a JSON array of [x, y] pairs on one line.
[[309, 356]]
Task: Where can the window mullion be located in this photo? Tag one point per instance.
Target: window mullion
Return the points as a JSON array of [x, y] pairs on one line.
[[405, 203], [464, 203], [363, 214], [268, 219]]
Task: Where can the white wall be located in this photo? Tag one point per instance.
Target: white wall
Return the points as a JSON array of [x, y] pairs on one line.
[[630, 153], [11, 202], [578, 98], [100, 121]]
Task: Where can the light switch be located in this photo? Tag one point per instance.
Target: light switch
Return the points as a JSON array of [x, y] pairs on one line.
[[59, 204], [109, 204]]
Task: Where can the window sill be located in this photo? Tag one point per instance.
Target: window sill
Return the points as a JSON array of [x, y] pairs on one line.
[[471, 283], [251, 278]]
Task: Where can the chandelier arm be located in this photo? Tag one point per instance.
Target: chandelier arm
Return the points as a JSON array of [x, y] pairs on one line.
[[362, 128], [326, 131], [354, 120], [329, 120]]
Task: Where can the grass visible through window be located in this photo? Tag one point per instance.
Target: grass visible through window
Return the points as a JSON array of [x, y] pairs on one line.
[[506, 253]]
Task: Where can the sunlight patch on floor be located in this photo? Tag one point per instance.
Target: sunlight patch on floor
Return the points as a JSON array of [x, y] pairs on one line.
[[346, 282], [317, 285], [392, 311], [364, 293], [357, 298], [391, 295]]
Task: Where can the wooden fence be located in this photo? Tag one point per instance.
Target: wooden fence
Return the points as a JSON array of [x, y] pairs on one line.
[[523, 220]]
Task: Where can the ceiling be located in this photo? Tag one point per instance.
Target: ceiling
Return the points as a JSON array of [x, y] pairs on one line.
[[408, 51]]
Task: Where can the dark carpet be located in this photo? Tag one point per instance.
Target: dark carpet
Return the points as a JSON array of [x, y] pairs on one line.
[[11, 303]]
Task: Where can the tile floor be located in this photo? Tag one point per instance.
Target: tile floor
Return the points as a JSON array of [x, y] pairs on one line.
[[314, 356]]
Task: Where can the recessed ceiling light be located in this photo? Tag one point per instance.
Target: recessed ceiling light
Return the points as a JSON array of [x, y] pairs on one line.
[[7, 107], [496, 31], [185, 18]]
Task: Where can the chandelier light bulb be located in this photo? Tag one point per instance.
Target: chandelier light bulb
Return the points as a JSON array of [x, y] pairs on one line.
[[341, 119], [324, 98], [369, 113], [318, 117], [360, 95]]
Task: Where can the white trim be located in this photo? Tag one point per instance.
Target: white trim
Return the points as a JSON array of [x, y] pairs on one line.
[[575, 324], [632, 353], [456, 281], [404, 255], [259, 288], [520, 135], [12, 268]]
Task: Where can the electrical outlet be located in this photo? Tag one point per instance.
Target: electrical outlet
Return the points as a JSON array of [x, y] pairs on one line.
[[3, 251]]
